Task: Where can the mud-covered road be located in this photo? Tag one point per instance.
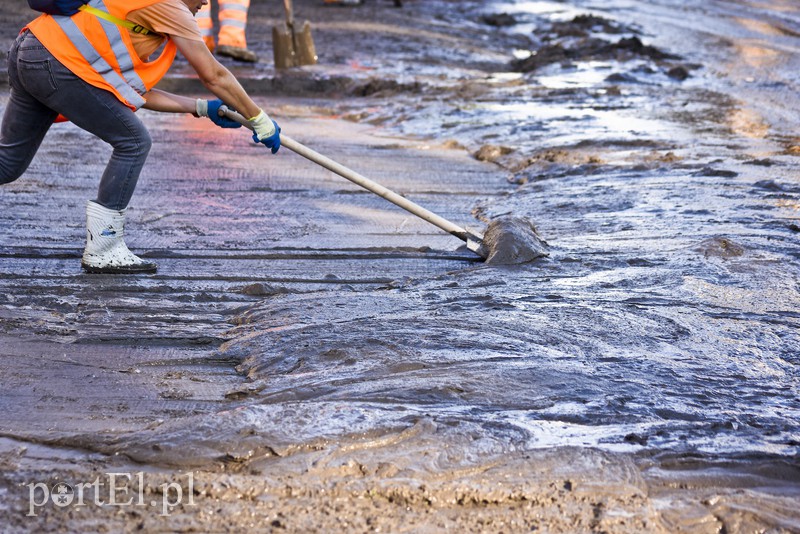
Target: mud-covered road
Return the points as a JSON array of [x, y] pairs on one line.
[[311, 358]]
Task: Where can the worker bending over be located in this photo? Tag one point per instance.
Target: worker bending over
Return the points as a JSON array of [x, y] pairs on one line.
[[94, 68]]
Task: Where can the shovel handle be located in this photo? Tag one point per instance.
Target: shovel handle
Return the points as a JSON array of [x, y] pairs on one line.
[[287, 5], [363, 181]]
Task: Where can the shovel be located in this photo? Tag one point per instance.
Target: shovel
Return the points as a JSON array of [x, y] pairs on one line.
[[474, 240], [292, 48]]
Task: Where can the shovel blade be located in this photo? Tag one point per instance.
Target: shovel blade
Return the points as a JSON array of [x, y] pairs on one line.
[[304, 49], [292, 48], [283, 47], [475, 243]]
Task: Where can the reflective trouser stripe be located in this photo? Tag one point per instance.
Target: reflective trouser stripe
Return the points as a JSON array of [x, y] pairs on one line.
[[234, 6], [96, 61], [232, 22], [204, 21], [236, 23]]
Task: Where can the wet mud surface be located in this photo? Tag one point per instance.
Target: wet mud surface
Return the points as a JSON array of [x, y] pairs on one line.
[[323, 361]]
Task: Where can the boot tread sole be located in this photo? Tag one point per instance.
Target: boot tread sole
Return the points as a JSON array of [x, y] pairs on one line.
[[146, 268]]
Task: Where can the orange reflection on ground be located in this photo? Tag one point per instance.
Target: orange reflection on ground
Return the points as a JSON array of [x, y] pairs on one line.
[[760, 26], [756, 55], [783, 6], [748, 123]]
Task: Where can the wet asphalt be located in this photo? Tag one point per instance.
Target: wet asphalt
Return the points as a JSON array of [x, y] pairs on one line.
[[228, 225], [284, 289]]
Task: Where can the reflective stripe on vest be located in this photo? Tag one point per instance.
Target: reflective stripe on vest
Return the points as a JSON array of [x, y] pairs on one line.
[[131, 87], [124, 60]]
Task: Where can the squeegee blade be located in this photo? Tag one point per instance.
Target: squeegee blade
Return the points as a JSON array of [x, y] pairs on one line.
[[475, 243]]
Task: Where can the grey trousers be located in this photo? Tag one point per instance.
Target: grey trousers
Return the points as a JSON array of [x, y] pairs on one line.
[[41, 88]]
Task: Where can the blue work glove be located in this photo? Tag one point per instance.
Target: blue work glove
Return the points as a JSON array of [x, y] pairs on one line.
[[210, 109], [266, 131]]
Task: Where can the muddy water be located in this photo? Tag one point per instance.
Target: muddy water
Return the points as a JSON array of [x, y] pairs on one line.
[[650, 144], [666, 315]]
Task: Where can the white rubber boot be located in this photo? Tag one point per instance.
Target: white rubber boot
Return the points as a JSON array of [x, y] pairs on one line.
[[106, 251]]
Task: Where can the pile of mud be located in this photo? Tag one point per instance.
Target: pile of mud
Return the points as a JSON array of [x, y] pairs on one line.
[[512, 241], [586, 38]]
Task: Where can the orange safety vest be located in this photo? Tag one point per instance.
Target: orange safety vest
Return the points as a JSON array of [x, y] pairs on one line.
[[101, 53]]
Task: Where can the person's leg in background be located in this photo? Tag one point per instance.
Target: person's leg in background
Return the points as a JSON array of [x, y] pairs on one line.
[[206, 25], [232, 25]]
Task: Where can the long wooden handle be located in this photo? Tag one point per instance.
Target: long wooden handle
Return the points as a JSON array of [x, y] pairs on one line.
[[362, 181], [287, 5]]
